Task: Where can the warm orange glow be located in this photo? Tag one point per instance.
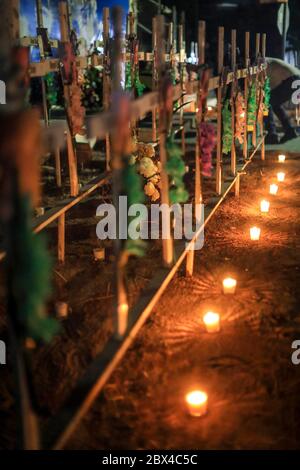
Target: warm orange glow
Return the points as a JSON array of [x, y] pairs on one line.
[[212, 322], [255, 233], [209, 108], [242, 115], [281, 158], [122, 319], [281, 176], [229, 285], [273, 189], [264, 206], [197, 403]]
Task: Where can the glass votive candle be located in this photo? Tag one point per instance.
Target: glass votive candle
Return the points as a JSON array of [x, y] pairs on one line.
[[212, 322], [255, 233], [264, 206], [229, 285], [273, 189]]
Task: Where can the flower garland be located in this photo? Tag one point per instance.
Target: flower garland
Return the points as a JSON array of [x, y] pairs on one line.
[[207, 143], [30, 273], [267, 95], [240, 113], [92, 88], [133, 190], [175, 169], [227, 137], [252, 105], [149, 168]]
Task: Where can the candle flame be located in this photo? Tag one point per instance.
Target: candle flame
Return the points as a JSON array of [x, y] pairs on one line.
[[273, 189], [229, 282], [196, 398], [281, 176]]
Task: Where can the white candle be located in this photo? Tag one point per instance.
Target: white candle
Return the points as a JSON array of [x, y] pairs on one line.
[[281, 158], [212, 322], [273, 189], [264, 206], [255, 233], [197, 403], [280, 176], [229, 285]]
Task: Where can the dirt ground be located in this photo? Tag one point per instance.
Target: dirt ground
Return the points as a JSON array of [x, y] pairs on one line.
[[246, 369]]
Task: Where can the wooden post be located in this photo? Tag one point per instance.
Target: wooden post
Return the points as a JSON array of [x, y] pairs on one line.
[[257, 83], [27, 427], [61, 245], [174, 20], [190, 259], [72, 161], [71, 148], [246, 91], [122, 132], [40, 23], [263, 53], [106, 81], [233, 97], [219, 112], [181, 65], [167, 244], [57, 167], [154, 77]]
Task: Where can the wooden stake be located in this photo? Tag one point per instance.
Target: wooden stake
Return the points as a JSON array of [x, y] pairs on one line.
[[106, 80], [121, 304], [167, 244], [219, 112], [57, 167], [72, 161], [61, 245], [154, 77], [246, 91], [71, 147], [233, 96]]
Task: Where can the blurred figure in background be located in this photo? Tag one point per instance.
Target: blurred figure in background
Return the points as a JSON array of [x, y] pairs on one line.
[[282, 76]]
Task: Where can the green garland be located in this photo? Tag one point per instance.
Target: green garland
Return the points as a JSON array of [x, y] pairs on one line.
[[267, 94], [133, 189], [51, 87], [175, 169], [128, 79], [252, 106], [137, 84], [30, 274], [227, 128]]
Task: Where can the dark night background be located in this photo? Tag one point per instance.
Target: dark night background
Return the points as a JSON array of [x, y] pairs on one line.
[[243, 15]]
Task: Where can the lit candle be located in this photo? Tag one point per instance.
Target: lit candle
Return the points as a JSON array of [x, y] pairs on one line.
[[273, 189], [197, 403], [281, 158], [209, 108], [229, 285], [280, 176], [99, 254], [212, 322], [255, 233], [242, 115], [264, 206]]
